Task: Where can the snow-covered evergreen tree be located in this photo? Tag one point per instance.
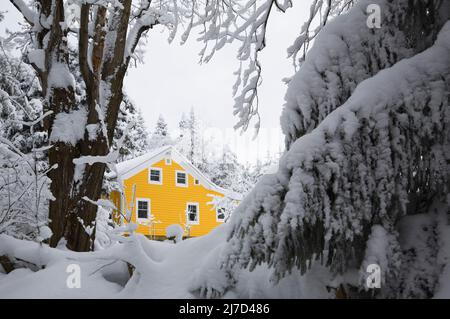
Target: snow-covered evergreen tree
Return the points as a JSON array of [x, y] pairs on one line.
[[137, 140], [161, 128], [190, 138], [367, 127], [161, 135], [227, 172]]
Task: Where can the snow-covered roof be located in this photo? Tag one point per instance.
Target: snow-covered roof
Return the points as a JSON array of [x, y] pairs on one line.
[[131, 167], [123, 168]]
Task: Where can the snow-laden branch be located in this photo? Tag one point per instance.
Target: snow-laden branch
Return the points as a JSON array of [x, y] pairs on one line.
[[229, 21], [101, 203], [145, 21], [26, 11], [319, 14], [36, 121], [129, 250], [329, 75], [109, 158], [90, 160]]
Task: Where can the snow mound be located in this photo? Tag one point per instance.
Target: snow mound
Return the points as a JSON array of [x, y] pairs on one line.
[[175, 231], [161, 270]]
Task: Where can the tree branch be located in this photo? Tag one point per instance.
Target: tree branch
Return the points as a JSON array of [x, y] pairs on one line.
[[27, 12], [99, 40], [83, 44]]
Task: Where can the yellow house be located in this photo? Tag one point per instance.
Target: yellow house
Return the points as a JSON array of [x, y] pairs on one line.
[[162, 188]]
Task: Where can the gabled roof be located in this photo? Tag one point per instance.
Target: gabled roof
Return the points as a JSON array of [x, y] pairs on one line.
[[126, 167], [131, 167]]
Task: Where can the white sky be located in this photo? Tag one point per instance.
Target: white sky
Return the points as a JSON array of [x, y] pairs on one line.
[[171, 81]]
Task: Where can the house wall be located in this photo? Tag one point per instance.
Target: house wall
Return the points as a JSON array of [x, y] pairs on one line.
[[168, 202]]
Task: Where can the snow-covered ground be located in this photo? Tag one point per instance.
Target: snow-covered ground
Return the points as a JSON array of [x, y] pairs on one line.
[[167, 270], [164, 270]]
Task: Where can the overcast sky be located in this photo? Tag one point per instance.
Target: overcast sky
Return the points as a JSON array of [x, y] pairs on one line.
[[171, 81]]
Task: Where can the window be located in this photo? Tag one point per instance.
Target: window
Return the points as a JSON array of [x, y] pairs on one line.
[[193, 213], [181, 178], [196, 182], [143, 208], [155, 175], [220, 214], [168, 161]]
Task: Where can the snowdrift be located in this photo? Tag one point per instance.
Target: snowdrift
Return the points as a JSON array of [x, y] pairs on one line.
[[162, 270]]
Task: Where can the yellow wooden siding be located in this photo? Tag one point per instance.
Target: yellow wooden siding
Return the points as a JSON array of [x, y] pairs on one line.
[[168, 202]]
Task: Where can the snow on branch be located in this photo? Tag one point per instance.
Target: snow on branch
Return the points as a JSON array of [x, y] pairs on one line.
[[90, 160], [246, 22], [228, 21], [342, 57], [111, 157], [24, 189], [170, 14], [248, 25], [26, 11], [321, 11], [36, 121], [101, 203], [145, 19], [129, 250]]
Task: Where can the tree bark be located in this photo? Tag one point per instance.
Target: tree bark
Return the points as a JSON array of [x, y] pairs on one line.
[[69, 214], [73, 213], [6, 263], [109, 66]]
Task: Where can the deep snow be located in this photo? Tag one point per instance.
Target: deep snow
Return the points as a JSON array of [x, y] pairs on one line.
[[171, 271]]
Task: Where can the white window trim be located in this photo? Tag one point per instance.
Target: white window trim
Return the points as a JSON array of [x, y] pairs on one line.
[[217, 218], [187, 179], [160, 175], [149, 209], [168, 161], [198, 213]]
